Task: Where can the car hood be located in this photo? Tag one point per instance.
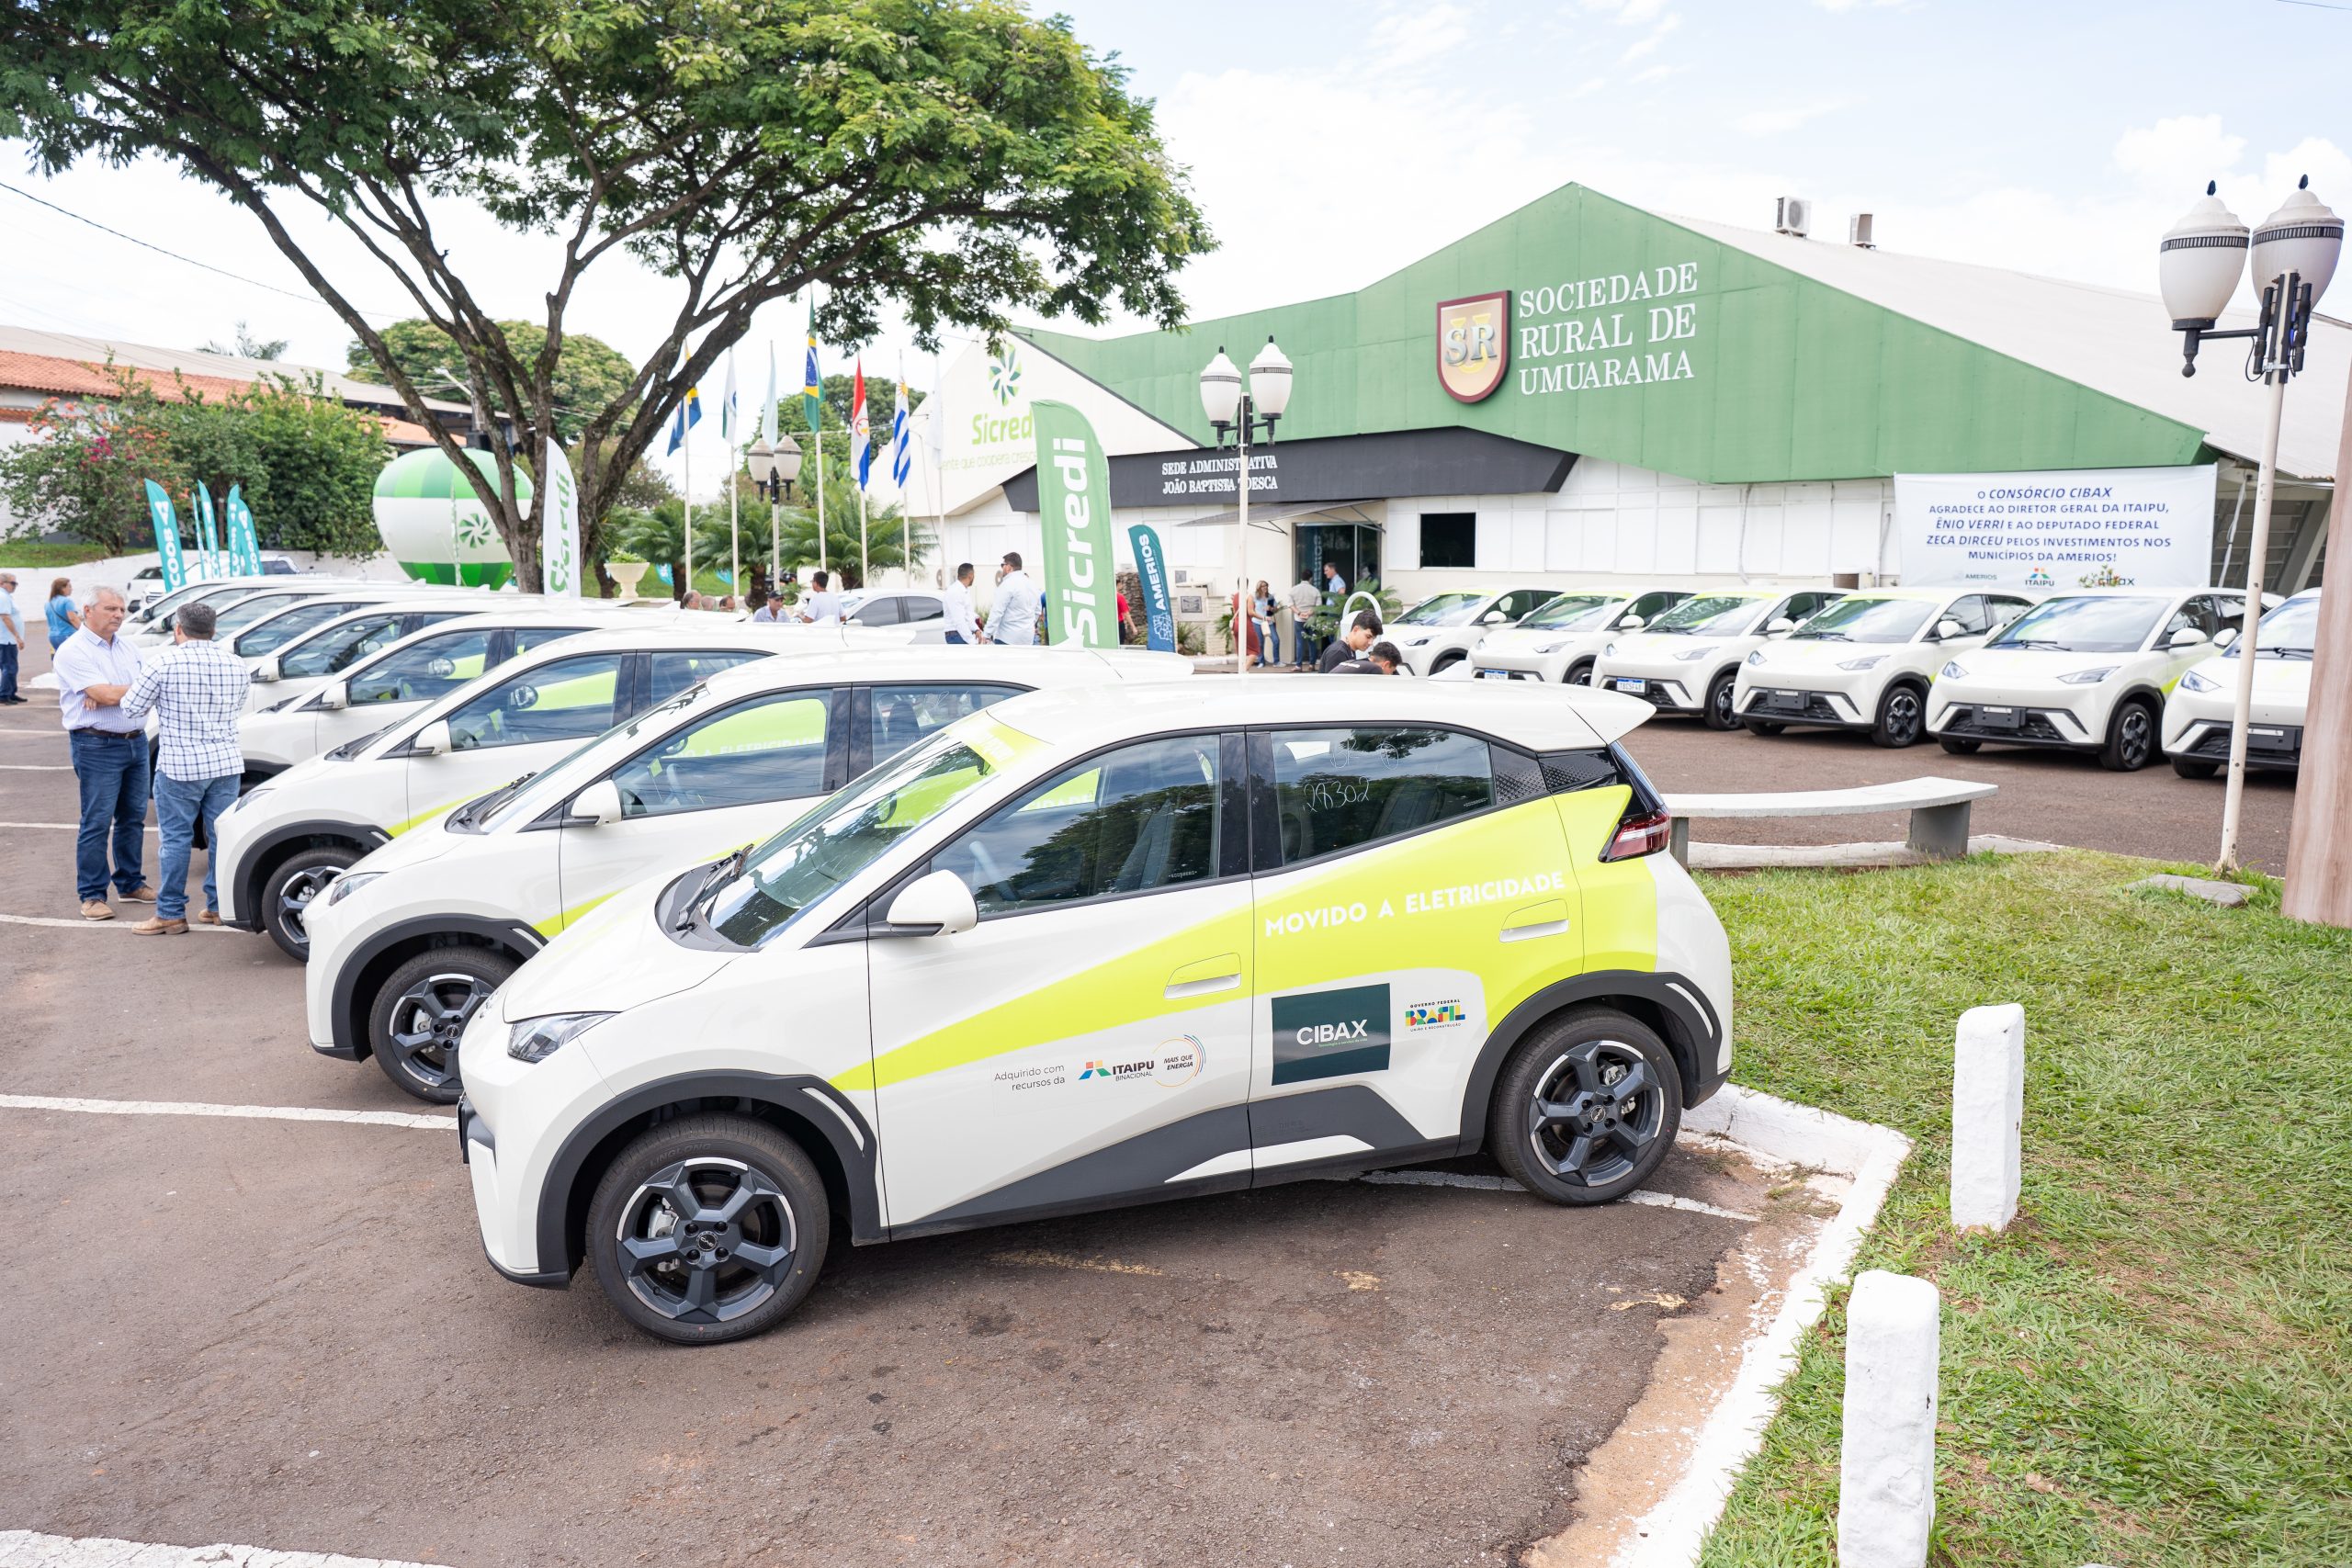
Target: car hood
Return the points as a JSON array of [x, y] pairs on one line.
[[2035, 663], [2273, 678], [425, 841], [611, 959], [1821, 653]]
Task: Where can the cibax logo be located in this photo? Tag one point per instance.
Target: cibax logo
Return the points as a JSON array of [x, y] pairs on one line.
[[1329, 1034]]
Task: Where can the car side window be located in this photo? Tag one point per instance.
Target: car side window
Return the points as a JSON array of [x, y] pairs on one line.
[[772, 748], [1139, 819], [530, 637], [1970, 612], [2000, 611], [565, 699], [920, 607], [1649, 606], [2195, 614], [333, 651], [673, 670], [2230, 615], [882, 612], [1339, 789], [430, 669], [904, 715]]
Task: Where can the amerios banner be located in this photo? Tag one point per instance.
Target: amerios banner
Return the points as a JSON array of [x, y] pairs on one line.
[[1074, 515]]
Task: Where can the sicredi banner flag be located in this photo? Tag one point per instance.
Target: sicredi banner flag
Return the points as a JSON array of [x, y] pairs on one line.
[[1160, 613], [1074, 515], [167, 538], [244, 543], [560, 563], [2067, 529], [207, 537]]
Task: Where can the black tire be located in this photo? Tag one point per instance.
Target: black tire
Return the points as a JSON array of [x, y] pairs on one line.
[[2192, 768], [1578, 674], [701, 1290], [1960, 748], [421, 1010], [1447, 660], [287, 891], [1902, 717], [2130, 738], [1594, 1142], [1718, 712], [1763, 726]]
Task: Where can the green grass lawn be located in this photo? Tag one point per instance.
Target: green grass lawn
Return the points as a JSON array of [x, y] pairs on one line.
[[40, 555], [2154, 1365]]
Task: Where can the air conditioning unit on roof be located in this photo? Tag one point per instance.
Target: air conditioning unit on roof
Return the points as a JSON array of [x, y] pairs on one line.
[[1858, 232], [1793, 216]]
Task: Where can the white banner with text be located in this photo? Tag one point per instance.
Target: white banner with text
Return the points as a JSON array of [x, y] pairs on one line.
[[2067, 529]]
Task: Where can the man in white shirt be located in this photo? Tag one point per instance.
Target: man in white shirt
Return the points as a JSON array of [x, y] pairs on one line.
[[12, 638], [963, 625], [1012, 615], [1305, 600], [95, 671], [823, 607]]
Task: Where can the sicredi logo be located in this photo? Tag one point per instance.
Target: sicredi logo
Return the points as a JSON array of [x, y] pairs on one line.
[[1329, 1034]]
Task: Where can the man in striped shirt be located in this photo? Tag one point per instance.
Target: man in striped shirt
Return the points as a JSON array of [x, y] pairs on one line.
[[197, 692]]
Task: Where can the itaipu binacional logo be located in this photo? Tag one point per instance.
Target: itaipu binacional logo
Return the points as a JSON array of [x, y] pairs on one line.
[[1474, 344]]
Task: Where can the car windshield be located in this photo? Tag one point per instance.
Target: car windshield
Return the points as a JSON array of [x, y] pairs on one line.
[[1573, 613], [284, 624], [2290, 631], [569, 771], [843, 834], [219, 598], [245, 612], [1866, 620], [1444, 610], [1716, 613], [2085, 626]]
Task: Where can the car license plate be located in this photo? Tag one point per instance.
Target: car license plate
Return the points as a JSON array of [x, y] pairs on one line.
[[1493, 674], [1787, 699], [1636, 687], [1997, 718], [2267, 734]]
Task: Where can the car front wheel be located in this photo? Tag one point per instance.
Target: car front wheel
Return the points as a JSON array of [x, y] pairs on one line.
[[287, 893], [1719, 712], [421, 1013], [1585, 1108], [1579, 674], [2192, 768], [2130, 738], [708, 1228], [1902, 717], [1960, 748]]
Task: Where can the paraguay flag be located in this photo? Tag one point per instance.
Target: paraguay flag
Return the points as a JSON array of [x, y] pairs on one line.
[[902, 435], [689, 415], [861, 440], [812, 390]]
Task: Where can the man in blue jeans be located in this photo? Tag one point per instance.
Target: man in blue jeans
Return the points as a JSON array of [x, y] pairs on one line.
[[12, 638], [197, 692], [94, 670]]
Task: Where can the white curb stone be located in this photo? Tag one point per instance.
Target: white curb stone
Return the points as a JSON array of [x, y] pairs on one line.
[[1886, 1485], [1987, 1116]]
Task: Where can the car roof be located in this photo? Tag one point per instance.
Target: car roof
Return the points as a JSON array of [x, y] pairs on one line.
[[1552, 719], [1036, 667], [719, 631]]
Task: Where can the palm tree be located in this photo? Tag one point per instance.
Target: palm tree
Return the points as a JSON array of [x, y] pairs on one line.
[[892, 540]]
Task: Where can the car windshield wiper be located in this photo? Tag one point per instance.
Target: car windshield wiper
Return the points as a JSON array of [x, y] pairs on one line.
[[2042, 642], [1825, 636], [718, 876]]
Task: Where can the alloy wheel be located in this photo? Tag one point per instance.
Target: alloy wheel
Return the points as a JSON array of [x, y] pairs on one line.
[[1903, 716], [1594, 1111], [430, 1018], [706, 1240], [2136, 734], [294, 899]]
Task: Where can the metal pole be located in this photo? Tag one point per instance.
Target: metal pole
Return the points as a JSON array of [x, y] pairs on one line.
[[776, 542], [865, 572], [2275, 373], [1241, 550], [734, 529], [686, 530], [817, 439]]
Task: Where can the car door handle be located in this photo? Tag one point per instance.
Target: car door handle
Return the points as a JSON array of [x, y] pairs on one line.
[[1547, 918], [1205, 978]]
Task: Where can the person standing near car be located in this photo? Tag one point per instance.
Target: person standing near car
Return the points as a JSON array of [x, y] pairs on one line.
[[1305, 600], [94, 670], [63, 619], [963, 626], [823, 606], [197, 692], [1351, 644], [12, 638], [1013, 617]]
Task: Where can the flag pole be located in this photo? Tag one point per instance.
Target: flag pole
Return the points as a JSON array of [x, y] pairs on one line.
[[687, 531]]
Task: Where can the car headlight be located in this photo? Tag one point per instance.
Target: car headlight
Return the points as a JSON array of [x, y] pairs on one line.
[[1543, 648], [244, 800], [1479, 644], [1953, 672], [2197, 682], [1867, 661], [1756, 657], [1418, 642], [350, 882], [1692, 655], [2089, 677], [537, 1039]]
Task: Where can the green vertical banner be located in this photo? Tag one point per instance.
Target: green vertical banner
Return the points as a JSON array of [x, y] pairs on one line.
[[1074, 511], [208, 535], [167, 538], [1159, 609], [244, 543]]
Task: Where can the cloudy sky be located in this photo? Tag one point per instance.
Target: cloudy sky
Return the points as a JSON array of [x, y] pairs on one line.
[[1333, 141]]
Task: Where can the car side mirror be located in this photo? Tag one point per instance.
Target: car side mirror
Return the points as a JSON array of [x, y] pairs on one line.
[[432, 741], [1631, 624], [1494, 618], [599, 804], [2187, 636], [335, 694], [1947, 630], [1778, 624], [935, 905], [266, 671]]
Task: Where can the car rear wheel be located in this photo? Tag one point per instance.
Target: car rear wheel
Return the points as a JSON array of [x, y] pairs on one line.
[[2191, 768], [708, 1228], [1585, 1108], [2130, 738], [1446, 660], [421, 1013], [1963, 748], [1719, 713], [1579, 674], [1902, 718], [1763, 726], [287, 893]]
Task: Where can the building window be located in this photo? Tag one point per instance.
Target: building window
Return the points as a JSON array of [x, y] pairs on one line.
[[1449, 538]]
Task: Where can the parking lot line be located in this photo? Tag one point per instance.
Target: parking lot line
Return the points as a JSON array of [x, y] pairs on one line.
[[1505, 1184], [36, 767], [442, 1124], [63, 827], [89, 925], [29, 1548]]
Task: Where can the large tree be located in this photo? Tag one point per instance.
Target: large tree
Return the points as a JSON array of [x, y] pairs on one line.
[[958, 159], [591, 375]]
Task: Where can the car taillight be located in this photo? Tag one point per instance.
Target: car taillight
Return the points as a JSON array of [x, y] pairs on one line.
[[1643, 835]]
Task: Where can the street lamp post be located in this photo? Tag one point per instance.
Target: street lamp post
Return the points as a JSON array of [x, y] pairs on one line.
[[1233, 411], [2293, 254], [772, 469]]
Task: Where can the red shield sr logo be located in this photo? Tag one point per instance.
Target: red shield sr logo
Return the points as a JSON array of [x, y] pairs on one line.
[[1474, 344]]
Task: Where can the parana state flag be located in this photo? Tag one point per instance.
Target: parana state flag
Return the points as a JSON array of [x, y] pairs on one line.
[[1074, 513]]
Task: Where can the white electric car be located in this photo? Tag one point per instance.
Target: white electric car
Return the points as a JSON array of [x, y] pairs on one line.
[[239, 604], [2198, 712], [919, 608], [1437, 633], [1866, 661], [146, 584], [286, 840], [1100, 947], [410, 939], [1560, 639], [271, 628], [301, 663], [2086, 672], [1687, 660]]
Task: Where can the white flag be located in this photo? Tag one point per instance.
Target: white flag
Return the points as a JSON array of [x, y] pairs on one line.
[[768, 410], [731, 417], [559, 560]]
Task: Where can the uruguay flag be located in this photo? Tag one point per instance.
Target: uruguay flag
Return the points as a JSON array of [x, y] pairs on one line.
[[689, 414], [902, 434], [861, 439]]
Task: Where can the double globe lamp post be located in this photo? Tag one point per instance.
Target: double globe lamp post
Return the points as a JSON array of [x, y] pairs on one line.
[[2293, 254], [772, 471], [1238, 414]]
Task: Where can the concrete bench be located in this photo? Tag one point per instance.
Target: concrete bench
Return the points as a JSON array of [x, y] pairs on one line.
[[1938, 809]]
